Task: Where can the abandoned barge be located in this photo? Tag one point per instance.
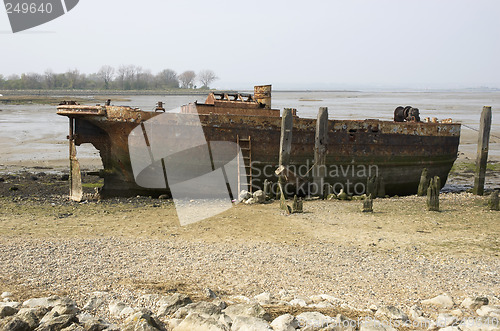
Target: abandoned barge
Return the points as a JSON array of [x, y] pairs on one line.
[[397, 150]]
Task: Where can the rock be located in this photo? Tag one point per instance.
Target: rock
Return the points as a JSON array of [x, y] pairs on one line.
[[169, 305], [314, 321], [251, 201], [450, 328], [14, 323], [57, 323], [441, 301], [342, 195], [50, 315], [391, 313], [331, 299], [210, 294], [12, 304], [74, 327], [245, 309], [7, 311], [196, 322], [373, 308], [142, 320], [95, 324], [202, 308], [489, 311], [48, 302], [95, 301], [32, 316], [219, 303], [444, 320], [248, 323], [244, 195], [298, 302], [415, 312], [172, 323], [375, 326], [474, 303], [6, 295], [264, 298], [120, 309], [259, 196], [457, 312], [285, 322], [66, 309]]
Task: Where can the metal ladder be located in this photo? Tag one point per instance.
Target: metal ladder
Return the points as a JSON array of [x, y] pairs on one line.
[[245, 145]]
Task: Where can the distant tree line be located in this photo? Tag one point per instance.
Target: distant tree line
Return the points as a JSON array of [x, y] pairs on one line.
[[126, 77]]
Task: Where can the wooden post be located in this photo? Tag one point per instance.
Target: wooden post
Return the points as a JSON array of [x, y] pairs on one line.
[[297, 206], [424, 183], [433, 194], [285, 143], [368, 204], [493, 201], [320, 145], [381, 187], [267, 189], [482, 151]]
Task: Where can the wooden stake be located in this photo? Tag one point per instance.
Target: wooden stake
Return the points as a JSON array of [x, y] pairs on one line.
[[433, 194], [493, 201], [285, 144], [482, 151], [424, 183], [368, 204], [320, 145]]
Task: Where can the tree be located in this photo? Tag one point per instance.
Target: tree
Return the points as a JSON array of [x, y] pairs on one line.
[[206, 77], [187, 79], [167, 79], [106, 74], [49, 79]]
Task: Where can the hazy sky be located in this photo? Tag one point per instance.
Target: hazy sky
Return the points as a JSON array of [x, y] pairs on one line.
[[291, 44]]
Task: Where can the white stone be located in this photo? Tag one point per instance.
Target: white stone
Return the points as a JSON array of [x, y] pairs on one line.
[[6, 295], [120, 309], [244, 309], [489, 311], [285, 322], [441, 301], [313, 320], [444, 320], [264, 298], [375, 326], [249, 323], [196, 322], [474, 303]]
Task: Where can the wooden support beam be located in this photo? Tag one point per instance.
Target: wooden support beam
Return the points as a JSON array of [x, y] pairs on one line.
[[482, 151], [320, 148]]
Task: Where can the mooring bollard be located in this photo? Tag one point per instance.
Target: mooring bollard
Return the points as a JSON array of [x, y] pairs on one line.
[[493, 202], [368, 204], [433, 194], [482, 151], [320, 146], [424, 183]]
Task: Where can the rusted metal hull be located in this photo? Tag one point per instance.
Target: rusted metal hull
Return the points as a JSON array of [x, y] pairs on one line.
[[397, 152]]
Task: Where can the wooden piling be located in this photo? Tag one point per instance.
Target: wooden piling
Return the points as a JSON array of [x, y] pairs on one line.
[[424, 183], [493, 202], [433, 194], [320, 146], [482, 151], [368, 204], [285, 144]]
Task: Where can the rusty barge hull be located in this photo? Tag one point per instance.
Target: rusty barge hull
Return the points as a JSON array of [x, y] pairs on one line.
[[397, 151]]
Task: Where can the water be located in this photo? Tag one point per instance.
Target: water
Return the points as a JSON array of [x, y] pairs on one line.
[[33, 135]]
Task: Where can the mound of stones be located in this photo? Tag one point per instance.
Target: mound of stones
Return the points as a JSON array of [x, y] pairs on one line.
[[239, 313]]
